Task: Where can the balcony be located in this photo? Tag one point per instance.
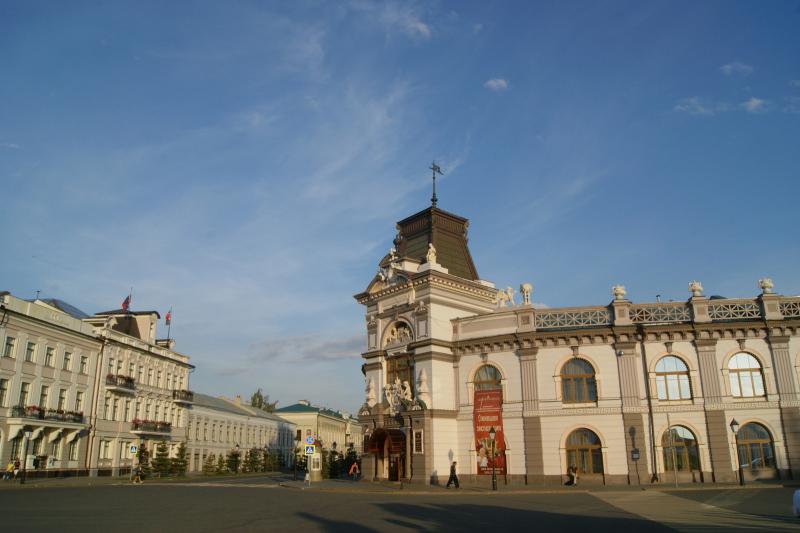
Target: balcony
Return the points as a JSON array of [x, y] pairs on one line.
[[35, 412], [183, 396], [120, 383], [150, 427]]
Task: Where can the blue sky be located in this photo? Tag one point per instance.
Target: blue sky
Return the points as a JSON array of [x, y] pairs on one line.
[[245, 162]]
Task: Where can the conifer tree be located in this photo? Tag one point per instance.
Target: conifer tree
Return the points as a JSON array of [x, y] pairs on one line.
[[210, 464], [221, 468], [179, 462], [161, 462]]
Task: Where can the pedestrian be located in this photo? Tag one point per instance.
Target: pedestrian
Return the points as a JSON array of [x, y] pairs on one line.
[[307, 480], [453, 477], [572, 472], [9, 473], [354, 471], [137, 476], [16, 468]]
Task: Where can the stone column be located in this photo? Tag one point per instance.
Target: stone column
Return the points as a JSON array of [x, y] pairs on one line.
[[531, 421], [628, 365], [789, 402], [722, 468]]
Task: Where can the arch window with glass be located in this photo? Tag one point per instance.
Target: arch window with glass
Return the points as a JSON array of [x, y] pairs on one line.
[[578, 384], [400, 367], [680, 450], [585, 451], [672, 379], [746, 376], [755, 447], [487, 378]]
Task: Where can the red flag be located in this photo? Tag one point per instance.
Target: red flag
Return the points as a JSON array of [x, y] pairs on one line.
[[168, 318], [126, 303]]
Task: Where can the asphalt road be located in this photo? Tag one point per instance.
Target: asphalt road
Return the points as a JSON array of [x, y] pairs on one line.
[[254, 504]]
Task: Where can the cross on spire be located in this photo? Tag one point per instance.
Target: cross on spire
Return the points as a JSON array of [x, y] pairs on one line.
[[436, 170]]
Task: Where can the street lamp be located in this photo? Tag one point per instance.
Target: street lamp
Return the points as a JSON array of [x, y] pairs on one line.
[[28, 434], [492, 434], [735, 429], [294, 457], [236, 461]]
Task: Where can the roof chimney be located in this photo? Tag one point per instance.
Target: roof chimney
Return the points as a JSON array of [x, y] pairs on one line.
[[304, 402], [238, 399]]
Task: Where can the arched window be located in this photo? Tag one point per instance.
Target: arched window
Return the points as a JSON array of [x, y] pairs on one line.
[[746, 377], [578, 384], [487, 378], [755, 447], [584, 450], [672, 379], [680, 450]]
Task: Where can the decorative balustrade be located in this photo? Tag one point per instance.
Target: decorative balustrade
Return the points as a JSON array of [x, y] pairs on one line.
[[572, 318], [655, 313], [734, 310], [41, 413], [118, 381], [790, 309], [150, 426], [183, 396]]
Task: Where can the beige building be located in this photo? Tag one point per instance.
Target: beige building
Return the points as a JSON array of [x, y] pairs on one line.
[[143, 390], [335, 430], [218, 425], [86, 387], [48, 367], [626, 392]]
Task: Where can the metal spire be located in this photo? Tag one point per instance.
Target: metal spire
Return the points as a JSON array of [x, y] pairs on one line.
[[436, 170]]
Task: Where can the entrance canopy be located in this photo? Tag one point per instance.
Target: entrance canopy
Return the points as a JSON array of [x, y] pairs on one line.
[[397, 440]]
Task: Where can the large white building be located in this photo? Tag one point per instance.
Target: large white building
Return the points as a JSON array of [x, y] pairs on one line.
[[219, 425], [626, 392], [333, 429]]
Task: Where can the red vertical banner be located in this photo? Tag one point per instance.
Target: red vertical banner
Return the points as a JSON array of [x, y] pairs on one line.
[[488, 414]]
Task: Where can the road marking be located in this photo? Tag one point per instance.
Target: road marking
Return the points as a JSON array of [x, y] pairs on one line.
[[687, 515], [216, 484]]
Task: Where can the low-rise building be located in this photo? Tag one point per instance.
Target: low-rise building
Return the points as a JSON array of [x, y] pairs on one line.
[[219, 425], [333, 429]]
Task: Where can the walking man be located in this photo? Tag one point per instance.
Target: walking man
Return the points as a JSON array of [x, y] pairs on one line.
[[453, 477], [354, 471]]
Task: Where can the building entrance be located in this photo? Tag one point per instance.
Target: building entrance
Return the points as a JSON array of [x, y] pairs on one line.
[[388, 447]]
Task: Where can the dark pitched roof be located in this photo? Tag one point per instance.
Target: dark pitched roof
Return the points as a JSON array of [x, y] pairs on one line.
[[447, 232], [116, 312], [303, 408], [61, 305]]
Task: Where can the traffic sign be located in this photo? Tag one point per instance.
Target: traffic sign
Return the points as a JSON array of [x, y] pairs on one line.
[[134, 449], [310, 439], [311, 449]]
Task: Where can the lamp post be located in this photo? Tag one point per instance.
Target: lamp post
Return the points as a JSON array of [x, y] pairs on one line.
[[735, 429], [294, 457], [492, 434], [236, 461], [27, 433], [333, 465]]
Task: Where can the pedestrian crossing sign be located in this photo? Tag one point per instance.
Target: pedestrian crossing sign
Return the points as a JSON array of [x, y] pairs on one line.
[[134, 449], [311, 449]]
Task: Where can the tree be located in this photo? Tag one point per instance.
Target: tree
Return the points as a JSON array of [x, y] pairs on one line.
[[233, 461], [179, 462], [161, 462], [221, 468], [143, 458], [210, 464], [253, 460], [260, 401]]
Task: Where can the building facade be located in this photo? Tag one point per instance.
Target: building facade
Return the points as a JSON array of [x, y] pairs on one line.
[[86, 388], [457, 370], [218, 425], [333, 429]]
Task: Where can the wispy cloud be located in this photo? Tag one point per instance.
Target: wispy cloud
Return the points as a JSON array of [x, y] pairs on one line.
[[395, 17], [754, 105], [10, 146], [496, 84], [477, 28], [694, 106], [795, 83], [792, 104], [737, 68], [307, 349]]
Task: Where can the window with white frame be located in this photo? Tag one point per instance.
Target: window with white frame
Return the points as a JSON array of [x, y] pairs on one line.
[[746, 376], [62, 399], [84, 364], [105, 449], [73, 450], [11, 343], [3, 391], [50, 357], [79, 401], [66, 363], [30, 352], [672, 379]]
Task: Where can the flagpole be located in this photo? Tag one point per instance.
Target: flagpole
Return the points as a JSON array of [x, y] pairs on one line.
[[169, 326]]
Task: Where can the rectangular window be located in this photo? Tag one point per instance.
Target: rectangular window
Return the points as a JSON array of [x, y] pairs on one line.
[[44, 392], [119, 367], [36, 446], [16, 447], [105, 449], [141, 374], [24, 390], [3, 392], [73, 450], [158, 379], [8, 350], [123, 449], [66, 364], [299, 435], [132, 370], [127, 410], [107, 408], [150, 377], [62, 399], [79, 401], [110, 366], [30, 352], [50, 357], [115, 411], [56, 450], [84, 364], [169, 380]]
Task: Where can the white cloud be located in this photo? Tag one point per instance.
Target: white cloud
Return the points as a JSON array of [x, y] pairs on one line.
[[10, 146], [693, 106], [308, 349], [754, 105], [792, 104], [395, 17], [736, 68], [496, 84]]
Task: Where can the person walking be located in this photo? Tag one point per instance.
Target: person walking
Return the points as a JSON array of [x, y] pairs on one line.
[[453, 477], [137, 476], [9, 473], [354, 471], [16, 468], [572, 472]]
